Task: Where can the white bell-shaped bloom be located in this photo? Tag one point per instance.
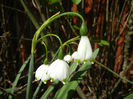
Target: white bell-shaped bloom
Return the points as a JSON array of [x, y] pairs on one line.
[[75, 55], [42, 73], [84, 49], [59, 70], [68, 58]]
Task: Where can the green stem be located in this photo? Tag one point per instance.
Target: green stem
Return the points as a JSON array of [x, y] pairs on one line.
[[43, 26], [47, 22], [123, 78], [61, 45], [69, 41], [54, 56], [46, 59], [69, 49], [50, 35], [67, 19]]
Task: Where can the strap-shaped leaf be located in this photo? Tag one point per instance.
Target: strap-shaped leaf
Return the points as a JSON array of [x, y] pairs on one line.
[[73, 67], [50, 88], [95, 53]]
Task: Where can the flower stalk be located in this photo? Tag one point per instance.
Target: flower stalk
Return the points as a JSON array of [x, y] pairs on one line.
[[51, 19], [35, 40], [46, 59]]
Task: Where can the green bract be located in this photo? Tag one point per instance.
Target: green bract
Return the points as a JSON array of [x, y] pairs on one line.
[[60, 54], [83, 29]]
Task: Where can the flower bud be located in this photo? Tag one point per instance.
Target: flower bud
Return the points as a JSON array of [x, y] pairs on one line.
[[75, 55], [83, 29], [68, 58]]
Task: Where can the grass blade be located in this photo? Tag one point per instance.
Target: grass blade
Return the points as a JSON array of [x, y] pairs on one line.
[[47, 92], [36, 91], [30, 77], [18, 76]]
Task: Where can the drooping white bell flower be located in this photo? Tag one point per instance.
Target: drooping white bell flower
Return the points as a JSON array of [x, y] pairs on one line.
[[68, 58], [59, 70], [75, 55], [84, 49], [42, 73]]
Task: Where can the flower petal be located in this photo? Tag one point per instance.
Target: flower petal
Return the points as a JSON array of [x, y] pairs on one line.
[[75, 55], [84, 49], [59, 70], [42, 73], [68, 58]]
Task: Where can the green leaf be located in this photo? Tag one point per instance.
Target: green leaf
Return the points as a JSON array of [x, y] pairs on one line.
[[47, 92], [18, 76], [37, 89], [95, 53], [65, 91], [84, 67], [76, 1], [60, 54], [103, 42], [76, 27], [73, 67], [30, 77], [129, 96]]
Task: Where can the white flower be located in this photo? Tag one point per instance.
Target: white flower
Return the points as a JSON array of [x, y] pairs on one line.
[[59, 70], [68, 58], [42, 73], [84, 49], [75, 55]]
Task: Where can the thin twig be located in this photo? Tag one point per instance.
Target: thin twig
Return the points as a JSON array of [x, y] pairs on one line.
[[119, 20], [30, 14], [11, 8], [122, 74], [105, 67], [80, 93]]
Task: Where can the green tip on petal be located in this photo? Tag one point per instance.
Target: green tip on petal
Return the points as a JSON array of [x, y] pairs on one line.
[[35, 78], [60, 54], [85, 60], [92, 61], [78, 61], [45, 81], [52, 79], [64, 81]]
